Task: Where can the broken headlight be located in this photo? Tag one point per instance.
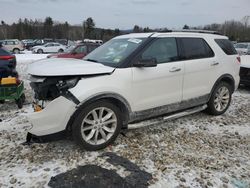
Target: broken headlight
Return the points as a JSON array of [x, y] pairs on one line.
[[67, 84]]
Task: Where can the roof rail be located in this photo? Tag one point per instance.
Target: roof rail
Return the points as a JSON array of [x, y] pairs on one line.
[[195, 31]]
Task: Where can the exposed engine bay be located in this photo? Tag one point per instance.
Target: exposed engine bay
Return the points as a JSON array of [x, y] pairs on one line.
[[49, 88]]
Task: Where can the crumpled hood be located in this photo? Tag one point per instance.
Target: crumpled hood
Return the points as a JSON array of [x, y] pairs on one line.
[[66, 67]]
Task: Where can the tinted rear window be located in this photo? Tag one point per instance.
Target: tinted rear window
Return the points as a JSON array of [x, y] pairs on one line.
[[4, 52], [226, 46], [195, 48]]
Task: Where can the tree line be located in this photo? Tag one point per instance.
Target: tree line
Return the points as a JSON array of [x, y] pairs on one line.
[[236, 30], [48, 28], [39, 29]]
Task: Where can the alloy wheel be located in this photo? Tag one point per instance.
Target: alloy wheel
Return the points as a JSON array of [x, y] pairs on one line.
[[99, 125], [222, 98]]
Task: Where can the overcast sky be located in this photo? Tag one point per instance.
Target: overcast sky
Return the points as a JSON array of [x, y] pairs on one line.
[[124, 14]]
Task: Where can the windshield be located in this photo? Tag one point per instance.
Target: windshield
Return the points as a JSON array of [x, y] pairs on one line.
[[114, 51]]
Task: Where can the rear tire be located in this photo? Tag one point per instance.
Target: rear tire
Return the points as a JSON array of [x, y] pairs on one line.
[[16, 51], [60, 51], [220, 99], [97, 125]]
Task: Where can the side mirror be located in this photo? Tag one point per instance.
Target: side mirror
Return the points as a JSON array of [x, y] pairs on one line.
[[146, 63]]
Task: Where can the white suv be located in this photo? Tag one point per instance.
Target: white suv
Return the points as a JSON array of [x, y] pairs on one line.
[[132, 78]]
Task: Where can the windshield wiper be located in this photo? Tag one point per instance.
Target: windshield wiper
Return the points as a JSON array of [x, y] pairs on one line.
[[92, 60]]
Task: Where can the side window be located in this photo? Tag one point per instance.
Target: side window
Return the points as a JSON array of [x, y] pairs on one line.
[[163, 50], [81, 49], [56, 44], [9, 42], [49, 45], [195, 48], [226, 46]]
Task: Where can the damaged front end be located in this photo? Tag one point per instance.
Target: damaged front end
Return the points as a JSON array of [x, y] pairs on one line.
[[53, 105], [49, 88]]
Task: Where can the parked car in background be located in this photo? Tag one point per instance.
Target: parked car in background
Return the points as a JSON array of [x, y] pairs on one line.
[[7, 64], [77, 52], [37, 42], [30, 44], [27, 41], [62, 41], [134, 77], [243, 48], [13, 45], [51, 47], [93, 41]]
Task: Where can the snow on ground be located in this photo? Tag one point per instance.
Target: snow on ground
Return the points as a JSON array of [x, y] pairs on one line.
[[193, 151]]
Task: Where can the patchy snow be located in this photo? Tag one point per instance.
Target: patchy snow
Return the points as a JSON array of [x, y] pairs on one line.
[[193, 151]]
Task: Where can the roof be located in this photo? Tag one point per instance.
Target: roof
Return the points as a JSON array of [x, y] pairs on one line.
[[174, 34]]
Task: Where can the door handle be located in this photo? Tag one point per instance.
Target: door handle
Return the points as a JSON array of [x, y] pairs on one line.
[[215, 63], [175, 69]]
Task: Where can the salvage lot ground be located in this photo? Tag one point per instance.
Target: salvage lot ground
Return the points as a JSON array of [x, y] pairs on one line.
[[194, 151]]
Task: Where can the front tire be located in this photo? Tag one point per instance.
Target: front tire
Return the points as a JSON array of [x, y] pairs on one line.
[[220, 99], [39, 51], [97, 125], [60, 51]]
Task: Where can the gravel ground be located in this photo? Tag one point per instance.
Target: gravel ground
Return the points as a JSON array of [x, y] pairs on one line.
[[193, 151]]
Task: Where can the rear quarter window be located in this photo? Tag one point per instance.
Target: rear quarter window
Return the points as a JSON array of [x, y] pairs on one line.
[[226, 46], [195, 48]]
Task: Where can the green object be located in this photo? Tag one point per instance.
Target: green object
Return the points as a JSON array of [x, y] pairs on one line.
[[13, 92]]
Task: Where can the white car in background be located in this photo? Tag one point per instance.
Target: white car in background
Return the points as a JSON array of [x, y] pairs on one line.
[[243, 48], [51, 47]]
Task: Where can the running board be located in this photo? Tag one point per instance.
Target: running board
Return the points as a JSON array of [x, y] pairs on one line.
[[166, 118]]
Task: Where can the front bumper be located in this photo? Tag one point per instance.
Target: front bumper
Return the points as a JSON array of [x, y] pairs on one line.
[[53, 118], [31, 138]]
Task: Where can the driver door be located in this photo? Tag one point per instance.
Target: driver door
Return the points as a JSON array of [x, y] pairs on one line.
[[161, 85]]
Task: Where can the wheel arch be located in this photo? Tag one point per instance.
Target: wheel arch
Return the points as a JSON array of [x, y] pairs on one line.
[[39, 50], [224, 78], [113, 98], [16, 49]]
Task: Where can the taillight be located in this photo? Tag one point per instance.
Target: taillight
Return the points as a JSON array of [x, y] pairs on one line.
[[7, 57], [238, 59]]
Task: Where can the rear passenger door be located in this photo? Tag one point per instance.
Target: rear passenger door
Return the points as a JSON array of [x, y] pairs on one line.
[[199, 64]]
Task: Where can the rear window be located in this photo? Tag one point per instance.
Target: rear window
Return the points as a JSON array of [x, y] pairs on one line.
[[195, 48], [226, 46], [3, 52]]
